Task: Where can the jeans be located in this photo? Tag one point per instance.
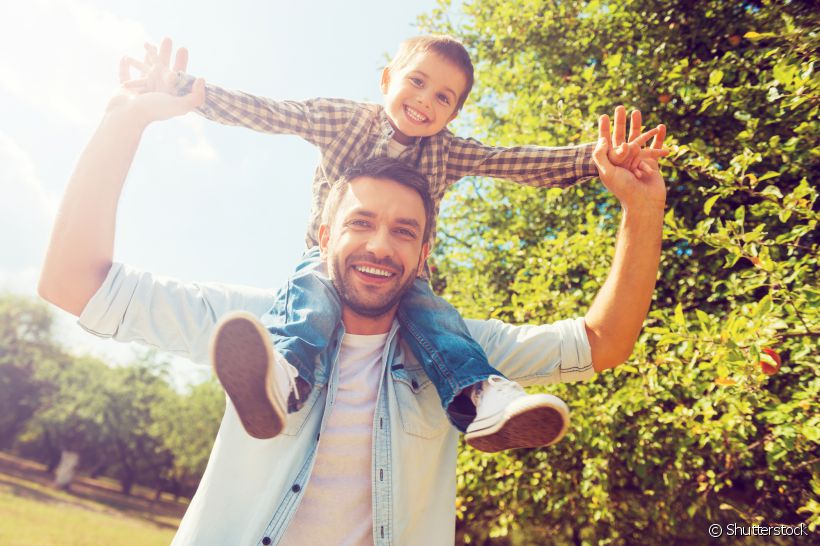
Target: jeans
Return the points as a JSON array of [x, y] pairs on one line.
[[307, 310]]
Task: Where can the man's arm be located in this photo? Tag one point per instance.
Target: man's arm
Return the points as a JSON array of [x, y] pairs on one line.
[[82, 242], [614, 320]]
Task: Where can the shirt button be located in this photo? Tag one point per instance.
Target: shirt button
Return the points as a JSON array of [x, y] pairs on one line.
[[296, 488], [266, 541]]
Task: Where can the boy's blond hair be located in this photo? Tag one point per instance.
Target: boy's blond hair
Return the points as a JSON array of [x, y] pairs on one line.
[[443, 45]]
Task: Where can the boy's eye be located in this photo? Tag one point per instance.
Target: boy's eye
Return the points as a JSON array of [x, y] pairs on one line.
[[416, 81], [444, 99]]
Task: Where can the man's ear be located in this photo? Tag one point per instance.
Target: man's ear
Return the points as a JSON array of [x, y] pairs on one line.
[[324, 239], [425, 251], [385, 83]]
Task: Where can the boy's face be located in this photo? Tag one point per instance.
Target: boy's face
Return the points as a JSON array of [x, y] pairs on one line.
[[421, 97]]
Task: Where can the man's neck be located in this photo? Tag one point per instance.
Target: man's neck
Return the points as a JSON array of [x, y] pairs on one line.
[[362, 325]]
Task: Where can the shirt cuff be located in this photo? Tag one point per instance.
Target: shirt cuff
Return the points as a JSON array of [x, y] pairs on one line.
[[584, 165], [103, 313]]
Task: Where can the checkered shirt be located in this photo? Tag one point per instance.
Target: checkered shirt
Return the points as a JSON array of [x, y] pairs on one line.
[[347, 132]]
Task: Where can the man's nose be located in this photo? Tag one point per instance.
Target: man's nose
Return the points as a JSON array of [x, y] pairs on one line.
[[379, 243]]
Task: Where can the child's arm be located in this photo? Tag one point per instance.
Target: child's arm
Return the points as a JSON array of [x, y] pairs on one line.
[[560, 166], [319, 121]]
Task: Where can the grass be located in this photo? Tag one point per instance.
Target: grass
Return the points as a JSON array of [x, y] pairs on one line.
[[33, 512]]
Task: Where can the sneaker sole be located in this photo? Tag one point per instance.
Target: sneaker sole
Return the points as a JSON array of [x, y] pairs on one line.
[[537, 421], [242, 356]]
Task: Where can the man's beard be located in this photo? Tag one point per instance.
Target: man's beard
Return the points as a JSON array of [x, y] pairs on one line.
[[349, 297]]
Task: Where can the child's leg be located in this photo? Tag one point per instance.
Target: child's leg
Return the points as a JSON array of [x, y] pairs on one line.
[[305, 315], [268, 370], [495, 413]]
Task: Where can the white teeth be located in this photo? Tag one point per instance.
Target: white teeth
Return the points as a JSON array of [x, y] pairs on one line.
[[373, 271], [414, 114]]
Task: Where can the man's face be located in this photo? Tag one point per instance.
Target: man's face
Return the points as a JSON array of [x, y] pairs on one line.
[[421, 97], [374, 248]]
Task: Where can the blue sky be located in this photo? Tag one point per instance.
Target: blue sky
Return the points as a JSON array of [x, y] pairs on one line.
[[203, 201]]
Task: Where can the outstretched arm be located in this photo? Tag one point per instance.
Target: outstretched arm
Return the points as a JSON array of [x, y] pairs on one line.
[[614, 320], [318, 121], [82, 241]]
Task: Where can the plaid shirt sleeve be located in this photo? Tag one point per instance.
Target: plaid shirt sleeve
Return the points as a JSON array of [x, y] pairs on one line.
[[531, 165], [319, 121]]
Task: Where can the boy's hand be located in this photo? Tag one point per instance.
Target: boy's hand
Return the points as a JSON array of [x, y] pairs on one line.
[[646, 192], [156, 74], [152, 96], [629, 152]]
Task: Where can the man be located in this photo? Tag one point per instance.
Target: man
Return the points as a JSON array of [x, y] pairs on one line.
[[306, 486]]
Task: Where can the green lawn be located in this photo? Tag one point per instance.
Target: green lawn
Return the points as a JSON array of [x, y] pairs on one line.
[[31, 513]]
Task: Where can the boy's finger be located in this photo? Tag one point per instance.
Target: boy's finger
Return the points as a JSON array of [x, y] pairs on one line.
[[126, 63], [657, 144], [131, 84], [599, 157], [620, 126], [642, 139], [635, 125], [165, 47], [181, 60]]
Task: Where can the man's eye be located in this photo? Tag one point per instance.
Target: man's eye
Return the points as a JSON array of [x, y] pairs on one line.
[[406, 233], [359, 223]]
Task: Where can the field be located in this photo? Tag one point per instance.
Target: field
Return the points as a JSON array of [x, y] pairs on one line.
[[93, 512]]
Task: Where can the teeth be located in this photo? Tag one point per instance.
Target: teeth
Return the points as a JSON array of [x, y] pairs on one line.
[[414, 114], [373, 271]]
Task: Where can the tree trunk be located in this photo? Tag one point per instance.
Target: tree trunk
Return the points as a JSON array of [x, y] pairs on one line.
[[64, 474]]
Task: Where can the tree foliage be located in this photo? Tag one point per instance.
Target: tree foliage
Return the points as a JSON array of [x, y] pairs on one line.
[[126, 422], [690, 430]]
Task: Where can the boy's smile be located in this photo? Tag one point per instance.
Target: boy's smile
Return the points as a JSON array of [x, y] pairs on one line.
[[421, 97]]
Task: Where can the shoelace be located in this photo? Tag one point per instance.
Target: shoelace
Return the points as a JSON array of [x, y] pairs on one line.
[[292, 374], [495, 382]]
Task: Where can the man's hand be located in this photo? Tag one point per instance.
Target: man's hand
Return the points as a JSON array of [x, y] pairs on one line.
[[152, 96], [629, 152], [637, 183]]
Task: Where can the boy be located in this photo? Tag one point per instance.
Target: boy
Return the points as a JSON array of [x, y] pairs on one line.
[[424, 88]]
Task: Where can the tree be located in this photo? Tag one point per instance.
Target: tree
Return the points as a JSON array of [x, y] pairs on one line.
[[690, 430]]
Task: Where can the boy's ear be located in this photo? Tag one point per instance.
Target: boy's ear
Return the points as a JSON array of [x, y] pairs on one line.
[[385, 83], [324, 239]]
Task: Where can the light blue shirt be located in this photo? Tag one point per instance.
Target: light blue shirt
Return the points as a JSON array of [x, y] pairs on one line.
[[251, 488]]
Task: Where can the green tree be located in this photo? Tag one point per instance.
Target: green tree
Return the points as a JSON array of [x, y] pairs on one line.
[[690, 430]]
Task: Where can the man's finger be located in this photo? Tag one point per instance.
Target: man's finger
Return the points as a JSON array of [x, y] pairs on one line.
[[657, 144], [181, 60], [603, 128], [635, 125], [151, 55], [620, 126], [165, 47]]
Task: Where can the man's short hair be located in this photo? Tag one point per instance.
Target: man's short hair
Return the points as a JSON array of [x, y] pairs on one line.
[[445, 46], [386, 168]]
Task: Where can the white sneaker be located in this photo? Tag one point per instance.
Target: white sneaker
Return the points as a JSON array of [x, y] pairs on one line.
[[509, 418], [255, 377]]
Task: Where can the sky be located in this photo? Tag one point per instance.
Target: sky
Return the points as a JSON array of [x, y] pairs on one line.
[[203, 202]]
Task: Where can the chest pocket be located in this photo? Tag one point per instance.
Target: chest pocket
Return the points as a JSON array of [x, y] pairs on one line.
[[418, 401], [295, 421]]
